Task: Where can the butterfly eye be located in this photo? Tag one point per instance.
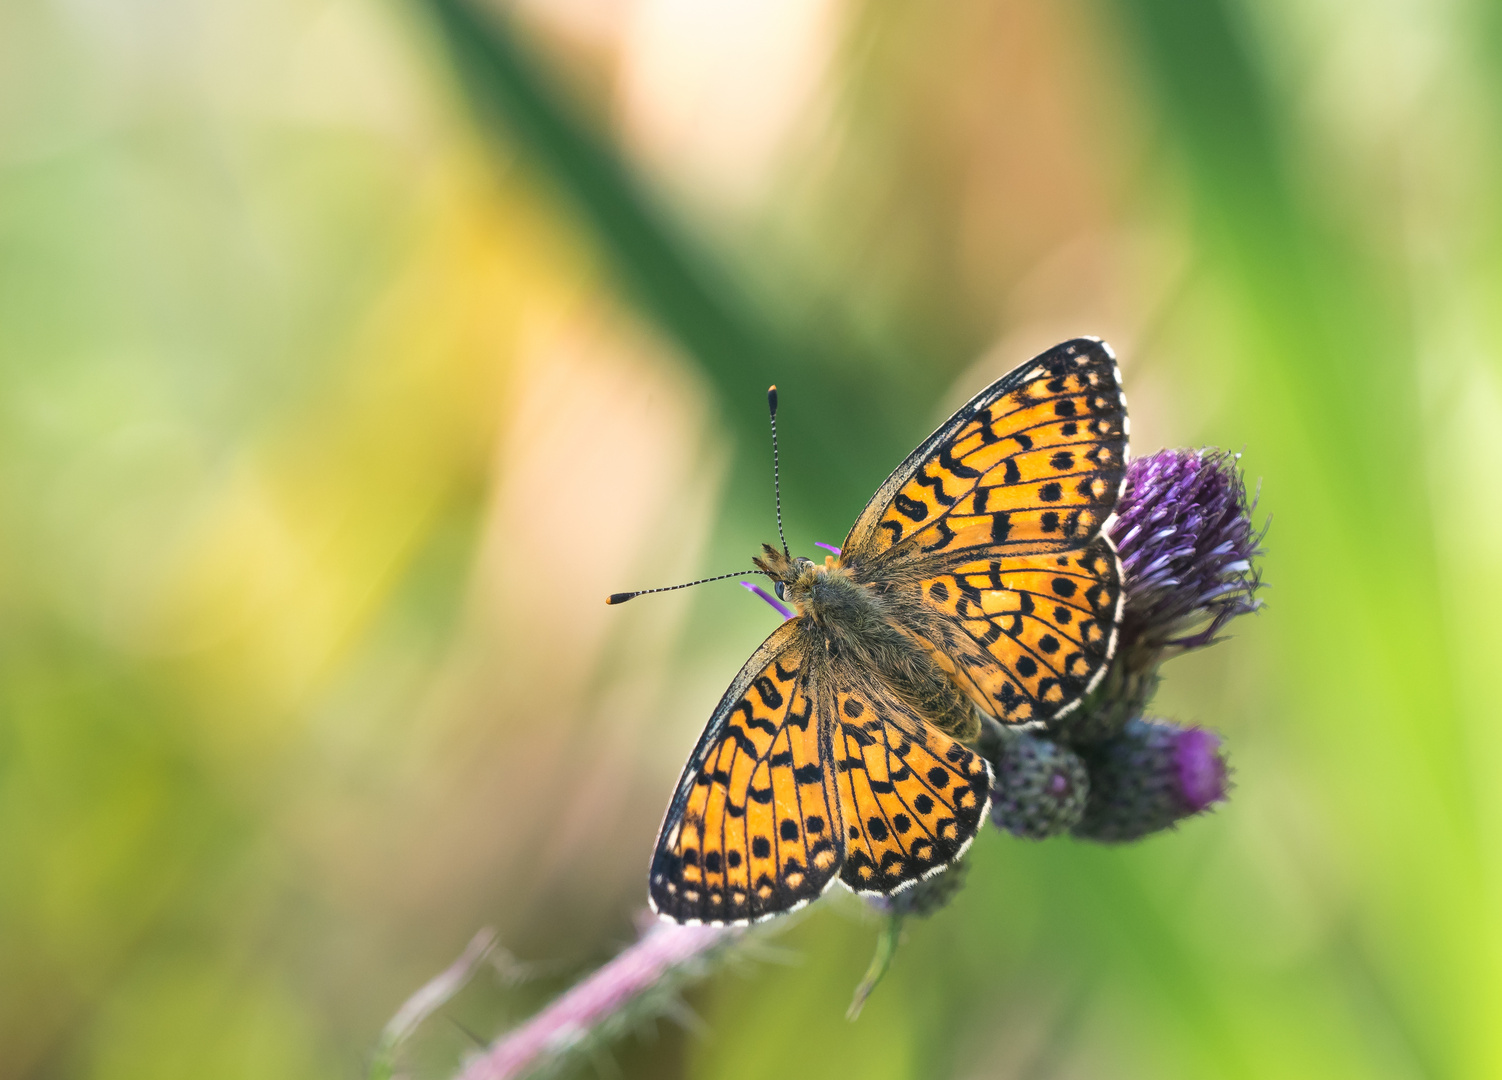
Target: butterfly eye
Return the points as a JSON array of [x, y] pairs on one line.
[[781, 594]]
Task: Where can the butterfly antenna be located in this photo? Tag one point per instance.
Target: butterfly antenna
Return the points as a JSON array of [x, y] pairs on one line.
[[622, 597], [776, 483]]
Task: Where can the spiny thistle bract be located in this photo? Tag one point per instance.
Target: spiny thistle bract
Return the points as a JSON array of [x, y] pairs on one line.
[[1040, 786]]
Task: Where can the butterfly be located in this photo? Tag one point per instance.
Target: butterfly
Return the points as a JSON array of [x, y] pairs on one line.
[[978, 576]]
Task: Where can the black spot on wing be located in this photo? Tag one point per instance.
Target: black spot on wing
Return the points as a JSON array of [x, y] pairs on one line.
[[911, 509], [767, 690], [742, 741], [944, 537]]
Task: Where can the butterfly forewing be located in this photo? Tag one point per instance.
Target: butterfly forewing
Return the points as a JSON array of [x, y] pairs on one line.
[[1032, 463], [911, 797], [1025, 636], [985, 526], [754, 827]]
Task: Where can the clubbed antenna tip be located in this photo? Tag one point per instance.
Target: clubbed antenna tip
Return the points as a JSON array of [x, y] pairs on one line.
[[622, 597]]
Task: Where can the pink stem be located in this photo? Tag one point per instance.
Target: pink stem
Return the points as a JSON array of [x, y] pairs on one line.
[[570, 1017]]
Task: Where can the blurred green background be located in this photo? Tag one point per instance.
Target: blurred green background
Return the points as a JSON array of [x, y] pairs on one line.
[[348, 359]]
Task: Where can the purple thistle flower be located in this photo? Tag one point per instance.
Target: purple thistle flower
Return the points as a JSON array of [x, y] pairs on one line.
[[1188, 550], [1201, 769], [1149, 777], [1187, 544]]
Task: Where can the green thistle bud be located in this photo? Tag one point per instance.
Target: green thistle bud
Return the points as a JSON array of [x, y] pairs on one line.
[[1041, 786]]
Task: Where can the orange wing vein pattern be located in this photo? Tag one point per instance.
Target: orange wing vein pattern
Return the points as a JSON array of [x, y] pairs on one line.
[[754, 829], [1035, 462], [911, 797], [1025, 636]]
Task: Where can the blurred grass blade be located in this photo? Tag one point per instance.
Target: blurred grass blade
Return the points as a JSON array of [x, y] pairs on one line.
[[681, 285], [430, 997], [657, 263]]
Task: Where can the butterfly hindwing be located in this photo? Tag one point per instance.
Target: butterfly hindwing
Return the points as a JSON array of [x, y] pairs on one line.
[[754, 828], [1034, 462], [911, 798], [1025, 636]]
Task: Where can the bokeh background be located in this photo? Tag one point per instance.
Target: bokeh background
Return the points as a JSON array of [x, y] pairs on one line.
[[348, 359]]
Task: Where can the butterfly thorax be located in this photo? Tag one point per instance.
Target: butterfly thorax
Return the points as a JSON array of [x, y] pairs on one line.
[[858, 623]]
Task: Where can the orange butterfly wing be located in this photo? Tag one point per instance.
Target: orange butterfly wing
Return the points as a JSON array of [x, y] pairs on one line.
[[971, 529], [810, 764], [1034, 462], [911, 798], [754, 827], [1025, 636]]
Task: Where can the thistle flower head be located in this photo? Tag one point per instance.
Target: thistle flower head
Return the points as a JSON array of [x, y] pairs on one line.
[[1187, 544], [1041, 786], [1150, 776]]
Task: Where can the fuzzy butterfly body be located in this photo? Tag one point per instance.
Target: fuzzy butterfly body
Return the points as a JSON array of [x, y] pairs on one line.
[[978, 576]]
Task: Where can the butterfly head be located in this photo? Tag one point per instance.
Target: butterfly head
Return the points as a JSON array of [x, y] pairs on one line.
[[793, 575]]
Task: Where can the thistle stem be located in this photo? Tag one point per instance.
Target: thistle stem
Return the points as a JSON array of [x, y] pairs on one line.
[[595, 999]]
